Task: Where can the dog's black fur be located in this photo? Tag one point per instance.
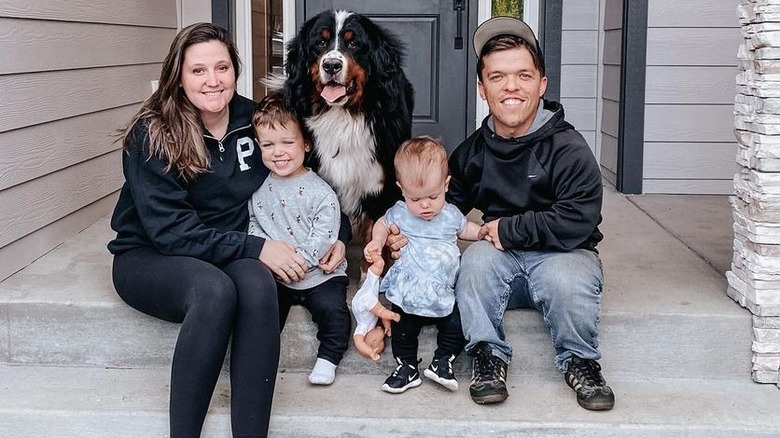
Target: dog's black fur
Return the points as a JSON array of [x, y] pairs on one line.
[[344, 80]]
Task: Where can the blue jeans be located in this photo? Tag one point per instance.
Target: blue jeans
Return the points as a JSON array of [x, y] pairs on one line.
[[564, 286]]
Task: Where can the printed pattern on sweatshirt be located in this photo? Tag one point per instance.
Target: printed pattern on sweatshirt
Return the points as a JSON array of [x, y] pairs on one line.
[[303, 211]]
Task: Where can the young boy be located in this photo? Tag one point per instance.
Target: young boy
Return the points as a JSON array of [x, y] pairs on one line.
[[296, 206]]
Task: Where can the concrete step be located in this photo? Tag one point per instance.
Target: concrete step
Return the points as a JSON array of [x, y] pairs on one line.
[[92, 402], [76, 361], [661, 304]]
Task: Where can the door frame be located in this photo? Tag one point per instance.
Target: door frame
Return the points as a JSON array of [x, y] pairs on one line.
[[533, 11], [544, 16], [476, 109], [235, 15], [550, 33]]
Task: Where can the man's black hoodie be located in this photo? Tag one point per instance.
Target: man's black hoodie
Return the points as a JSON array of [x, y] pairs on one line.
[[545, 186]]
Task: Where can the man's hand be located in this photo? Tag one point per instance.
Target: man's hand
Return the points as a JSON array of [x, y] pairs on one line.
[[283, 261], [489, 232], [373, 253], [334, 257], [396, 241]]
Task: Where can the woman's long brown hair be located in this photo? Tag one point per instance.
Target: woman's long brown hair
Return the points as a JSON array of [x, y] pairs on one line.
[[173, 123]]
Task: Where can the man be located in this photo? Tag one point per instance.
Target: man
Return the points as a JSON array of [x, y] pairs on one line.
[[539, 188]]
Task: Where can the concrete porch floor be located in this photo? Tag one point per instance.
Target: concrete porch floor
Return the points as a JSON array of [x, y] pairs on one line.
[[703, 223], [676, 350]]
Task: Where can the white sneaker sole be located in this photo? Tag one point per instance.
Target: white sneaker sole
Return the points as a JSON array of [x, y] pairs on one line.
[[452, 385], [413, 384]]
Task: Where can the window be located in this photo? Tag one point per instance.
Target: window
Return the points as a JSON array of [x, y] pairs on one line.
[[267, 43], [508, 8]]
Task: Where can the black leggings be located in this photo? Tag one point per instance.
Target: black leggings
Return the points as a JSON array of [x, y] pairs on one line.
[[212, 303], [406, 332]]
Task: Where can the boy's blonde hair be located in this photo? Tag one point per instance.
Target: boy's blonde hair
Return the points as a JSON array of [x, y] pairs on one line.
[[418, 159], [271, 113]]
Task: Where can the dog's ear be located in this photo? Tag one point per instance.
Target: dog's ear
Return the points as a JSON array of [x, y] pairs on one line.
[[386, 49], [391, 95], [387, 52], [298, 86]]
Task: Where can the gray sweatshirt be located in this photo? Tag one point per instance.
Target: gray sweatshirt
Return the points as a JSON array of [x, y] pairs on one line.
[[303, 211]]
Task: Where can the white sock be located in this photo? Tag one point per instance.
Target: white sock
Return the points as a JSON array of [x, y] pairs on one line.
[[323, 373]]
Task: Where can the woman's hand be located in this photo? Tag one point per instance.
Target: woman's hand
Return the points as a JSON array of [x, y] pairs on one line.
[[283, 261], [396, 241], [334, 257]]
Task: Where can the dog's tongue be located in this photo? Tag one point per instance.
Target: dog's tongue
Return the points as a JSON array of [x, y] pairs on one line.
[[332, 93]]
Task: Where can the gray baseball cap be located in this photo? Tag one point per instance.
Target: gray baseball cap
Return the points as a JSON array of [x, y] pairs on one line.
[[506, 26]]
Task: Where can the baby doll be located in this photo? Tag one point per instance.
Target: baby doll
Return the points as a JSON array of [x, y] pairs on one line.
[[372, 344], [369, 338]]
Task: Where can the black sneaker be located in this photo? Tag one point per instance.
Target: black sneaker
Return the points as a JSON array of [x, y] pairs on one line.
[[584, 377], [404, 377], [488, 378], [440, 371]]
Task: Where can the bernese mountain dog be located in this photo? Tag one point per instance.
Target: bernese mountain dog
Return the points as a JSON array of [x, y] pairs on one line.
[[344, 80]]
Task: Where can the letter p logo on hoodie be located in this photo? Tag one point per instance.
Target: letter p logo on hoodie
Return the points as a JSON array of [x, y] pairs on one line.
[[244, 148]]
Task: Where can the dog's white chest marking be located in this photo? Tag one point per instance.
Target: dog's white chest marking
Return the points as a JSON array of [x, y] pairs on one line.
[[345, 148]]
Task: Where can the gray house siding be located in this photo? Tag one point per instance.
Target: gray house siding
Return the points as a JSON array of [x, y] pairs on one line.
[[689, 96], [579, 66], [76, 70], [687, 144], [79, 71]]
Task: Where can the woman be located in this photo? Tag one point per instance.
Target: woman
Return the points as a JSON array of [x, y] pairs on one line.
[[182, 253]]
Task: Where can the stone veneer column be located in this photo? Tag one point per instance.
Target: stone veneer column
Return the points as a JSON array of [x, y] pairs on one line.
[[754, 279]]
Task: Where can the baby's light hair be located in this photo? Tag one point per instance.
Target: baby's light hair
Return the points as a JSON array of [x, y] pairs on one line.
[[418, 159]]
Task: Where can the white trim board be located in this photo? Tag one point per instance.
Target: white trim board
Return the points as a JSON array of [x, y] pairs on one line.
[[243, 38]]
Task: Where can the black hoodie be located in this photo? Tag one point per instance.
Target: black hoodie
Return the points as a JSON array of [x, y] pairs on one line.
[[205, 218], [545, 186]]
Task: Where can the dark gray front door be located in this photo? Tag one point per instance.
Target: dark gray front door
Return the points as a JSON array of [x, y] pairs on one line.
[[440, 72]]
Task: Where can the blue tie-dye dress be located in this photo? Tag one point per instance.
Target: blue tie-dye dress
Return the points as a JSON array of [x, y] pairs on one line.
[[422, 281]]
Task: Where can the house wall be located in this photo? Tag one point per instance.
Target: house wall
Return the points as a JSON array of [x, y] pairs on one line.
[[610, 88], [80, 68], [194, 11], [580, 73], [689, 96]]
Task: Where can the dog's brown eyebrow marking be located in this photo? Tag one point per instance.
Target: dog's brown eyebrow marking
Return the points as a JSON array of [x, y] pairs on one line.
[[325, 33], [348, 35]]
